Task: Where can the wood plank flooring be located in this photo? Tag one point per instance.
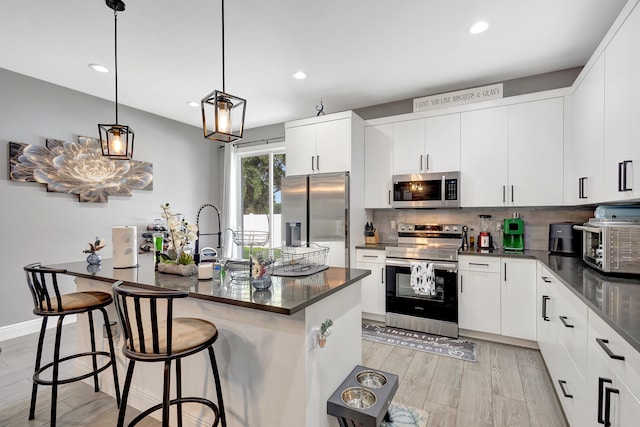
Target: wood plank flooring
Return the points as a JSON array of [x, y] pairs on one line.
[[508, 386]]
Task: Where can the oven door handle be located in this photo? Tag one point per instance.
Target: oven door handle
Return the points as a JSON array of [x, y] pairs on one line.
[[436, 265]]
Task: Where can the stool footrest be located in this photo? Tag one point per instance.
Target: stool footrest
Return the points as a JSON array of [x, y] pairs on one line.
[[199, 400], [38, 380]]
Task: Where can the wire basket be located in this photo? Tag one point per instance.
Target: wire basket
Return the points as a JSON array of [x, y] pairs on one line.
[[250, 238], [300, 259]]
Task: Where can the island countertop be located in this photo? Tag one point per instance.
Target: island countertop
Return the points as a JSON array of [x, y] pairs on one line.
[[287, 295]]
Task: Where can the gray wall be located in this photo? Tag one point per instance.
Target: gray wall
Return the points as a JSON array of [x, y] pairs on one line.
[[52, 227]]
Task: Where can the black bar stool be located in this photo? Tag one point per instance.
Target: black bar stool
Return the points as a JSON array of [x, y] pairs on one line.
[[148, 339], [47, 300]]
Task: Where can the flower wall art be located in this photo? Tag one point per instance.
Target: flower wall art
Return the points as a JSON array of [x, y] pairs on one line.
[[78, 168]]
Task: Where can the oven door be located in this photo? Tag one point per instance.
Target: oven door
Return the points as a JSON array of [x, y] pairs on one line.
[[401, 298], [592, 246]]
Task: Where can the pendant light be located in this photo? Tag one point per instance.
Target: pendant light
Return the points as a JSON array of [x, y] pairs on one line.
[[116, 140], [222, 113]]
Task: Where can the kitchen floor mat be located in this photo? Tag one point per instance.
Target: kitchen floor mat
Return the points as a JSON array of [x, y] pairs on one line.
[[420, 341]]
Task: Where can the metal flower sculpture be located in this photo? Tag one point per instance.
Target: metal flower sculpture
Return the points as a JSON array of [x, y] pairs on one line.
[[78, 168]]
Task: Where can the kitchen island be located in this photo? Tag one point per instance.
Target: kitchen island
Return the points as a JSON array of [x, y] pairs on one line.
[[273, 372]]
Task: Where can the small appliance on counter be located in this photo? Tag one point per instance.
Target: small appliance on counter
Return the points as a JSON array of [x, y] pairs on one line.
[[484, 237], [513, 229], [564, 239], [611, 245]]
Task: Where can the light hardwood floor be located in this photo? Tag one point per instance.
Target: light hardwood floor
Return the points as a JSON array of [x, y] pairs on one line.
[[508, 386]]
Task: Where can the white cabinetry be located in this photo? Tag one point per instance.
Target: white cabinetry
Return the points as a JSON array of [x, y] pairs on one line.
[[427, 145], [323, 144], [378, 166], [547, 316], [513, 155], [484, 142], [373, 286], [497, 296], [536, 135], [479, 294], [585, 144], [621, 112], [518, 298]]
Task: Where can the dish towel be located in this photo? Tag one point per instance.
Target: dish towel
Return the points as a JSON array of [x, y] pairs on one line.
[[423, 278]]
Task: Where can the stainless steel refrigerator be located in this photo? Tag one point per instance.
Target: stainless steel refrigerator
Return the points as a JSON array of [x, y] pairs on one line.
[[315, 208]]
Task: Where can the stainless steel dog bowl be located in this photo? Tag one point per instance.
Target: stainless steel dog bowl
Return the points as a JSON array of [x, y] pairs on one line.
[[371, 379], [358, 397]]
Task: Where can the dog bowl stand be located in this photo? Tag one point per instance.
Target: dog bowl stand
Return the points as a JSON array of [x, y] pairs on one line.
[[371, 416]]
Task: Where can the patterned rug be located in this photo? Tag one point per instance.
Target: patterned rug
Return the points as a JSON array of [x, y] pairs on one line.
[[420, 341], [405, 416]]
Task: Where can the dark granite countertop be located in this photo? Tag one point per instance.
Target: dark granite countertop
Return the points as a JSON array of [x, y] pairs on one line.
[[287, 295], [616, 299]]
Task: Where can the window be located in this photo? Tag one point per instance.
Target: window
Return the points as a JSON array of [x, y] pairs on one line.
[[261, 177]]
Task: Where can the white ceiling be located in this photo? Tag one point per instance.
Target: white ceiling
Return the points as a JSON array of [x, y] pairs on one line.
[[357, 53]]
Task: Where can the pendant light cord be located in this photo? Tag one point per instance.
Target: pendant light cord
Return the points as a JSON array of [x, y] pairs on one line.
[[223, 89], [115, 20]]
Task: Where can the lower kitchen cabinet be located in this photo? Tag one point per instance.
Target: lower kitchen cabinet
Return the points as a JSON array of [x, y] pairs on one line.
[[373, 286], [547, 314], [518, 298], [609, 400], [479, 294]]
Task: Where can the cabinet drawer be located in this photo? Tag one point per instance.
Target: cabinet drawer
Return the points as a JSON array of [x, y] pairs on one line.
[[572, 329], [629, 368], [370, 255], [479, 263], [570, 388]]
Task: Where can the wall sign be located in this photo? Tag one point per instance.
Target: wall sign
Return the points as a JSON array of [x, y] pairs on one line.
[[461, 97], [78, 168]]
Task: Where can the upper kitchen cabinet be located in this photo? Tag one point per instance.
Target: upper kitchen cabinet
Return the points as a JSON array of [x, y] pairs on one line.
[[536, 138], [427, 145], [622, 112], [378, 166], [513, 155], [323, 144], [484, 144], [585, 142]]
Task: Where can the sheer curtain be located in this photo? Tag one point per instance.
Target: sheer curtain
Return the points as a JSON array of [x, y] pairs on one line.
[[231, 215]]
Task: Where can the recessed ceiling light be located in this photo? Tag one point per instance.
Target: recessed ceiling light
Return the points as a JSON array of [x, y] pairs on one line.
[[299, 75], [99, 68], [479, 27], [193, 104]]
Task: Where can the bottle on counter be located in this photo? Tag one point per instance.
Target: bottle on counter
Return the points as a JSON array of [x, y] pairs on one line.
[[472, 238]]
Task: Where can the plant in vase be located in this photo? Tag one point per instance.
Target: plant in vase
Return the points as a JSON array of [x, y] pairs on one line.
[[259, 276], [325, 331], [177, 260], [94, 258]]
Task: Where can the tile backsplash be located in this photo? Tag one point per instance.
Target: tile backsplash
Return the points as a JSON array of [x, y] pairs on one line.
[[536, 220]]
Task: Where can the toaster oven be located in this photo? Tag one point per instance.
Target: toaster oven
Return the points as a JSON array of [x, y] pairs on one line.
[[611, 245]]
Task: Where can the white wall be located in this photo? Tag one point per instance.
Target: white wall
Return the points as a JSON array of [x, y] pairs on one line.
[[36, 226]]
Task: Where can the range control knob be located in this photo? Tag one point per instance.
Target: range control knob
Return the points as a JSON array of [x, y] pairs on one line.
[[402, 227], [446, 228], [410, 227], [455, 229]]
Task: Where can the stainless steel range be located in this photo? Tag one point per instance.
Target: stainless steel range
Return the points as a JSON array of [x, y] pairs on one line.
[[436, 247]]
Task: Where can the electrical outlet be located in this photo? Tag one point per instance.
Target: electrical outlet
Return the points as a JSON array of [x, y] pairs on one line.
[[393, 224]]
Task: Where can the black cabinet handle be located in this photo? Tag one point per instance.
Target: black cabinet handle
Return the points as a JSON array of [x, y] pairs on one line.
[[624, 175], [607, 405], [427, 162], [601, 383], [512, 194], [544, 308], [603, 343], [505, 271], [420, 162], [318, 162], [504, 200], [389, 197], [313, 163], [563, 319], [545, 279], [382, 275], [620, 176], [564, 392], [461, 287]]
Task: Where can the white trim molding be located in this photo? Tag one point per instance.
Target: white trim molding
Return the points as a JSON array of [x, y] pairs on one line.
[[30, 327]]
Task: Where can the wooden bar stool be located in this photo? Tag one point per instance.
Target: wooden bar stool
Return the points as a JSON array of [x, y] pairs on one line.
[[48, 302], [148, 339]]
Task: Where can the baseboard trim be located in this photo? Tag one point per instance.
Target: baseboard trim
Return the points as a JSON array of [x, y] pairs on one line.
[[498, 338], [29, 327]]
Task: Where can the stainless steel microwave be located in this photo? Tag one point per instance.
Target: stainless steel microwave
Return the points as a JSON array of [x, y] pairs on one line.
[[426, 190]]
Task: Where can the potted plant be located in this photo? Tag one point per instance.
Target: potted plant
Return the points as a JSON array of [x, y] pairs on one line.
[[94, 258], [325, 331], [181, 233]]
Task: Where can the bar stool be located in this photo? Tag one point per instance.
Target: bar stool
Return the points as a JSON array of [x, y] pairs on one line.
[[148, 339], [48, 302]]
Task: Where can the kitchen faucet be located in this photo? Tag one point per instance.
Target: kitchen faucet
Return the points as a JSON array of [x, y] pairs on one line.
[[196, 255]]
